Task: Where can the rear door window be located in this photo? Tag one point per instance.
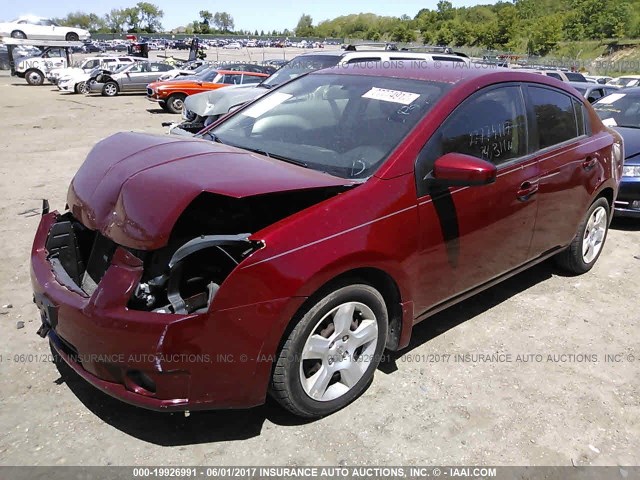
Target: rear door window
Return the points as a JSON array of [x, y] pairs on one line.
[[555, 116]]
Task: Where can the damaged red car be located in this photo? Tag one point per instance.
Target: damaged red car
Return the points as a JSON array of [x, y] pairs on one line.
[[285, 248]]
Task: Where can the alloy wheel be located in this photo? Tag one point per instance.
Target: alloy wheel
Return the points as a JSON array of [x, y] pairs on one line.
[[594, 234], [338, 351]]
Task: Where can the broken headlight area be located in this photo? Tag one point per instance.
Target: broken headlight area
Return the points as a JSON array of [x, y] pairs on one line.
[[79, 256], [188, 281], [181, 278]]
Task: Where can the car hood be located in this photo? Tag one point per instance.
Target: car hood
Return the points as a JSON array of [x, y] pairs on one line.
[[66, 70], [189, 84], [133, 187], [75, 77], [631, 138], [218, 102]]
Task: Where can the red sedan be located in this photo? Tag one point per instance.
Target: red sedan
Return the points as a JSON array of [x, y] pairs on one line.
[[293, 242], [171, 93]]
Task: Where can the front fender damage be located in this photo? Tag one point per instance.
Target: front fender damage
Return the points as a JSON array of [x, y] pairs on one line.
[[232, 247]]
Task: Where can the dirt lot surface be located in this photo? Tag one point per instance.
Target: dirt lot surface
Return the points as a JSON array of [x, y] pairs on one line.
[[560, 403]]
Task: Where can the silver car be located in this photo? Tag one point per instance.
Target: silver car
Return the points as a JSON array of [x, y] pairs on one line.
[[130, 79]]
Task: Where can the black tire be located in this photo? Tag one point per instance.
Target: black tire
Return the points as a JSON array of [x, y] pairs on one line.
[[82, 87], [286, 382], [72, 37], [18, 34], [34, 77], [174, 103], [163, 105], [572, 258], [110, 89]]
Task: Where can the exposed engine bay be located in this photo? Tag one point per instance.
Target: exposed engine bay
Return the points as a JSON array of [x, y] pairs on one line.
[[208, 241]]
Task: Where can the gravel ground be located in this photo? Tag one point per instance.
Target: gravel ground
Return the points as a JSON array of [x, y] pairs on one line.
[[551, 398]]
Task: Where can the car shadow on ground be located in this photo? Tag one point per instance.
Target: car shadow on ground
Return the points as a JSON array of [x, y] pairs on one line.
[[155, 111], [174, 429], [457, 314]]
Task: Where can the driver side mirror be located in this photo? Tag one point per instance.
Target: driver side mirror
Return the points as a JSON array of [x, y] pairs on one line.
[[460, 170]]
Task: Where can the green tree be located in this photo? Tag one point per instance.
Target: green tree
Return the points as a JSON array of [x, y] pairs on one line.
[[304, 28], [205, 24], [115, 20], [132, 19], [223, 21], [150, 17], [87, 21], [445, 10]]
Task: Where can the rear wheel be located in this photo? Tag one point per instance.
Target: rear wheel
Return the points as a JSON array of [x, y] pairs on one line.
[[584, 250], [175, 102], [34, 77], [72, 37], [329, 358], [110, 89], [18, 34]]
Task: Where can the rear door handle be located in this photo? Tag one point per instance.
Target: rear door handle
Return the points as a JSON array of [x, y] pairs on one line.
[[589, 163], [527, 190]]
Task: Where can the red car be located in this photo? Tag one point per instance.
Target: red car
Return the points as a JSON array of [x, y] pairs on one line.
[[171, 93], [283, 250]]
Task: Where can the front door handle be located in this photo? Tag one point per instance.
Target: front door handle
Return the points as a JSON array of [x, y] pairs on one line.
[[527, 190]]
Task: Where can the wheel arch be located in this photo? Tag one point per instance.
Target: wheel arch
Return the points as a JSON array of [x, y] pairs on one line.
[[607, 193], [375, 277]]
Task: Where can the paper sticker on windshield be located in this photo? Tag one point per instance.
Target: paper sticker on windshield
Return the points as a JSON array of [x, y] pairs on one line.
[[614, 97], [266, 104], [395, 96], [609, 122]]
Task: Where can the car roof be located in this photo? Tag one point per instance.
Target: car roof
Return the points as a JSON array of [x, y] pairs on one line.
[[629, 90], [452, 73], [257, 74], [368, 53], [585, 84]]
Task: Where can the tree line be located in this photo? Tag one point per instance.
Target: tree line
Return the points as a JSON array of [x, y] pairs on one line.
[[532, 26]]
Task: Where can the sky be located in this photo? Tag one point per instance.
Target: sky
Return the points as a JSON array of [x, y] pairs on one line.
[[247, 14]]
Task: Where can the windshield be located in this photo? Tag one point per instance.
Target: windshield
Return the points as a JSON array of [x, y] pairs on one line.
[[208, 76], [202, 68], [300, 65], [619, 109], [582, 90], [122, 68], [624, 81], [344, 125]]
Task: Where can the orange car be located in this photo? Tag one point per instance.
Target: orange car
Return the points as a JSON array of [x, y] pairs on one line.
[[170, 94]]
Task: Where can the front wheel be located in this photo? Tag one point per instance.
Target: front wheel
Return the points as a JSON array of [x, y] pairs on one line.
[[34, 77], [584, 250], [329, 358], [175, 103], [110, 89], [72, 37], [18, 34]]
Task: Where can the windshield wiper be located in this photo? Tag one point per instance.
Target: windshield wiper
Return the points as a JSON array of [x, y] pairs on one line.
[[213, 136], [277, 157], [265, 85]]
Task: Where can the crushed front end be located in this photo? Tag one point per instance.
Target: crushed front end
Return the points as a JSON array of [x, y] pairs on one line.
[[137, 324]]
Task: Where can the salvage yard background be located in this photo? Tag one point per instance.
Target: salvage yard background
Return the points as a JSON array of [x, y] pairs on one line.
[[426, 406]]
